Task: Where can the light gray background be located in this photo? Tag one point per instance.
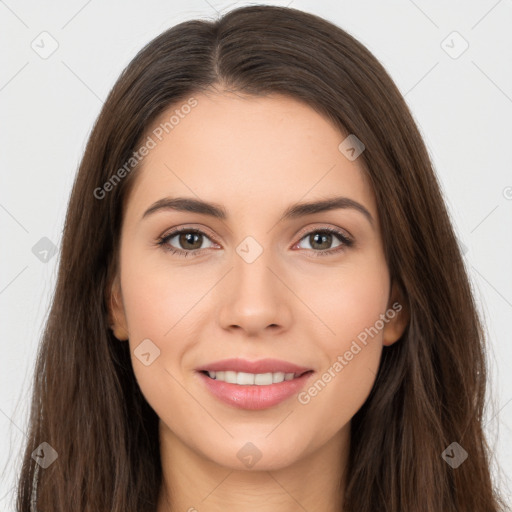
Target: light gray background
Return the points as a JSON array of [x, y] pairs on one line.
[[463, 107]]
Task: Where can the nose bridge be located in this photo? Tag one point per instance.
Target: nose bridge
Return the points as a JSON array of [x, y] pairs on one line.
[[252, 264], [254, 299]]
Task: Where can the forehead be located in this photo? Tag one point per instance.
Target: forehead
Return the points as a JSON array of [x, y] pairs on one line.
[[234, 149]]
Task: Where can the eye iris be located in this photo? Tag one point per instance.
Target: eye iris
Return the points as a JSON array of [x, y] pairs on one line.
[[185, 238], [324, 236]]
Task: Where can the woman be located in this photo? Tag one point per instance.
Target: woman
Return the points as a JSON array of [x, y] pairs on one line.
[[199, 353]]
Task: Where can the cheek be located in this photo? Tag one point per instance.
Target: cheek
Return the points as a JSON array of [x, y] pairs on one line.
[[156, 305], [158, 298], [161, 305], [352, 309], [353, 303]]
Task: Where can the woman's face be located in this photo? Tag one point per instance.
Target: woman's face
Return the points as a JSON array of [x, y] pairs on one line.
[[260, 279]]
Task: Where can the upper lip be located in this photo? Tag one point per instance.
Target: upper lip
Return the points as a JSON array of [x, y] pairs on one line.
[[261, 366]]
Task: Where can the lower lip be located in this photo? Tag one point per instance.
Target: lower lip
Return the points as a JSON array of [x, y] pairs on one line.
[[254, 397]]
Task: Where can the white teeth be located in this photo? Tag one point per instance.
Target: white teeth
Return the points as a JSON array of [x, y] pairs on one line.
[[250, 379], [230, 377], [263, 379], [277, 377], [245, 379]]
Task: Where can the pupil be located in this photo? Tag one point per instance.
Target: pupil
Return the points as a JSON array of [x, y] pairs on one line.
[[186, 238], [326, 238]]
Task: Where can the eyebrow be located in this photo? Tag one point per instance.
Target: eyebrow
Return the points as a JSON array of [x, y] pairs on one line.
[[189, 204]]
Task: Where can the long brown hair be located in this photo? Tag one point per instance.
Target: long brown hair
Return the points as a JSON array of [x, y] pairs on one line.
[[430, 388]]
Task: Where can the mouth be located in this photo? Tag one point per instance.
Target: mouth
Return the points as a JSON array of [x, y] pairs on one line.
[[253, 385]]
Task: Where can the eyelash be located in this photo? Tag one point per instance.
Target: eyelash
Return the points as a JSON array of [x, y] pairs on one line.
[[346, 242]]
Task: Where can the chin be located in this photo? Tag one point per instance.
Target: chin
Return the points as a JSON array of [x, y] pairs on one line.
[[257, 455]]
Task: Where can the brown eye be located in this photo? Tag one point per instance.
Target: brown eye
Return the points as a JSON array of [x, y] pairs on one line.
[[320, 241], [188, 241]]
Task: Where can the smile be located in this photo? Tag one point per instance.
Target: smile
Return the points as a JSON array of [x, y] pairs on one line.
[[253, 385]]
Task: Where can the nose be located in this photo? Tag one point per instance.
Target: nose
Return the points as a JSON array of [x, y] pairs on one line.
[[254, 297]]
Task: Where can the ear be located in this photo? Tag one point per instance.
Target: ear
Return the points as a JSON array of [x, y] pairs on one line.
[[116, 315], [397, 316]]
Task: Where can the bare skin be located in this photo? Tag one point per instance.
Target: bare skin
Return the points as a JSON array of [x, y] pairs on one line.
[[254, 157]]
